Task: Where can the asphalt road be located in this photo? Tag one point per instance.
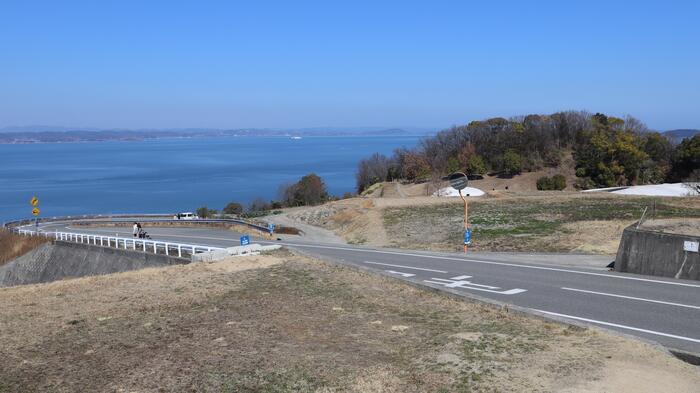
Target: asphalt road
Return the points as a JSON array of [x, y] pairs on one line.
[[663, 310]]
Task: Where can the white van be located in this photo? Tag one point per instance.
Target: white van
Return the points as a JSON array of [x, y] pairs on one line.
[[185, 216]]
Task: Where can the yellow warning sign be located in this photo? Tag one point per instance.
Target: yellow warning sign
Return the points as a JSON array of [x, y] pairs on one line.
[[35, 211], [34, 201]]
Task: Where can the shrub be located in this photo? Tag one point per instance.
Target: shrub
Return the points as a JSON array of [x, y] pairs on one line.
[[558, 182], [554, 183], [544, 183]]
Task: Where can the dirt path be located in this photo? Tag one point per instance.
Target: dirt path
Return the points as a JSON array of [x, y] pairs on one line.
[[310, 233]]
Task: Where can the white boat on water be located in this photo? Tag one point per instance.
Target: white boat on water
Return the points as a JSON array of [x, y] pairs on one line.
[[296, 137]]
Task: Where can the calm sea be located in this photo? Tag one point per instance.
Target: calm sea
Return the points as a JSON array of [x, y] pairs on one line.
[[171, 175]]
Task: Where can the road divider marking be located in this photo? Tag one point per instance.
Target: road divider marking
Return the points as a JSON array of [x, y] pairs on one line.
[[406, 267], [636, 329], [619, 277], [631, 298], [402, 274]]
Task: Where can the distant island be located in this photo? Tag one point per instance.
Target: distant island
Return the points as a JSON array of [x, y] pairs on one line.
[[677, 136], [43, 134]]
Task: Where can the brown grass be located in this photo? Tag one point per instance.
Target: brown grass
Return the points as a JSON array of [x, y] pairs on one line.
[[13, 246], [284, 323]]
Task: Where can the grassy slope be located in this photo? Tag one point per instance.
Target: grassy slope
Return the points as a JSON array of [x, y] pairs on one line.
[[13, 246], [536, 223]]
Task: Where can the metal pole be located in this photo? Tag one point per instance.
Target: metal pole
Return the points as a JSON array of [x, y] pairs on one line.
[[466, 216]]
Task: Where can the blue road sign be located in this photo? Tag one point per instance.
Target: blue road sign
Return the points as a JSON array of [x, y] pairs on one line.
[[271, 227], [468, 237], [245, 240]]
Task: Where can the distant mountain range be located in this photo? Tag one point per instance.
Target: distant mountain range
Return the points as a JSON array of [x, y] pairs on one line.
[[49, 134], [677, 136]]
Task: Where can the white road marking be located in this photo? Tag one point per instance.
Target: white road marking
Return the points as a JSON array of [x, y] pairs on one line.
[[449, 259], [632, 298], [402, 274], [456, 282], [695, 340], [488, 263], [460, 282], [514, 291], [406, 267]]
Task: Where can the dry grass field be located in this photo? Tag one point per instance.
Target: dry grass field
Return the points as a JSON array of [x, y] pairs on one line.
[[286, 323], [502, 221], [12, 246]]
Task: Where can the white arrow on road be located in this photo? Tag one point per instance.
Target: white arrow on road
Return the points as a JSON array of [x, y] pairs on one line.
[[402, 274], [461, 282]]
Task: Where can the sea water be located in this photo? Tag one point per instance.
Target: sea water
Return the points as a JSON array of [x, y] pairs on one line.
[[173, 175]]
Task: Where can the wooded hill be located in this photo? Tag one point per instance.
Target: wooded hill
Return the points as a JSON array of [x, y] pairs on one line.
[[608, 151]]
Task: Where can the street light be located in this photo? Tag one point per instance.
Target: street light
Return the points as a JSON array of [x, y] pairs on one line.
[[459, 181]]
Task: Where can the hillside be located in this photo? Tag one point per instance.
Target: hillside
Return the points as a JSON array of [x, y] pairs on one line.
[[598, 150]]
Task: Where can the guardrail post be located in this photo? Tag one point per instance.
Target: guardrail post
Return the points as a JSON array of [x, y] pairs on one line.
[[166, 249], [155, 249], [144, 246], [179, 251], [134, 245]]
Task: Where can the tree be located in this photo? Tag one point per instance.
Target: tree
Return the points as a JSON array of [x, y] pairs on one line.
[[512, 163], [312, 190], [415, 166], [372, 170], [258, 205], [233, 208], [608, 154], [476, 166], [686, 159], [205, 212], [309, 190]]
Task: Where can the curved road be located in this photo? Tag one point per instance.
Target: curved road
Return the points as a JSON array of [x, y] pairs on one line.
[[579, 288]]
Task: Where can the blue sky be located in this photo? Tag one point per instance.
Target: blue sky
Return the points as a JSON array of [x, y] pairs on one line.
[[165, 64]]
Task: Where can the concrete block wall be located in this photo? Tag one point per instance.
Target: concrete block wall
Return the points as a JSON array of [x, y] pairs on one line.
[[657, 254]]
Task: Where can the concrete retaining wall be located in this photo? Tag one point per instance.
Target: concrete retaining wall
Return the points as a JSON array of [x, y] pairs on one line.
[[60, 260], [657, 254]]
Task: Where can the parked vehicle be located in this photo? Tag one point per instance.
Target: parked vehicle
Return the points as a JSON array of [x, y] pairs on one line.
[[186, 216]]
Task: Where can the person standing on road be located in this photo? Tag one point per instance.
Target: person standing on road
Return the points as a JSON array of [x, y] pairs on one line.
[[136, 229]]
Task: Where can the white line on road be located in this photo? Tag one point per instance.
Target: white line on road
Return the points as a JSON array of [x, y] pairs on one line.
[[695, 340], [682, 284], [632, 298], [406, 267]]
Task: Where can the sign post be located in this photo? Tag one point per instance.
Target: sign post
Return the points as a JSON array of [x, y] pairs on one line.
[[35, 212], [459, 182]]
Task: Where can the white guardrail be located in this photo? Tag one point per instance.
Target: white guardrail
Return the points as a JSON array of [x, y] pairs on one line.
[[124, 243]]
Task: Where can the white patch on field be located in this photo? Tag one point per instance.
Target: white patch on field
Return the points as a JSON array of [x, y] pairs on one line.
[[451, 192], [666, 189]]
